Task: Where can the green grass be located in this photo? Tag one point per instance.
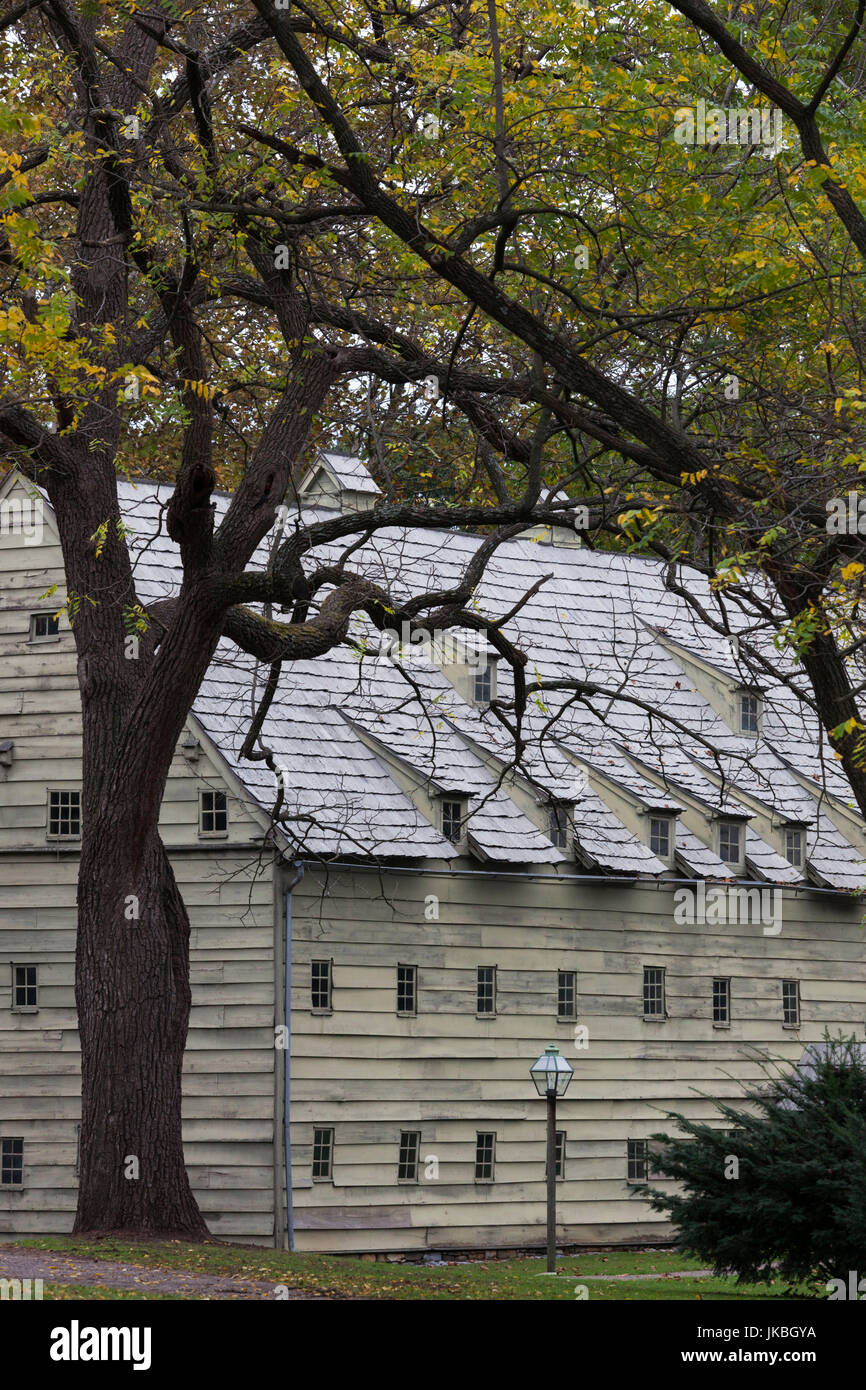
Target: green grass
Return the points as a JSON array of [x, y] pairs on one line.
[[508, 1279]]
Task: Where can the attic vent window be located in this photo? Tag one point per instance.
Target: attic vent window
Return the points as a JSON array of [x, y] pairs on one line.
[[213, 813], [661, 836], [43, 626], [794, 848], [750, 713], [731, 842], [453, 816]]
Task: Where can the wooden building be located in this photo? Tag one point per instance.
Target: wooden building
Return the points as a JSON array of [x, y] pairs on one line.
[[671, 903]]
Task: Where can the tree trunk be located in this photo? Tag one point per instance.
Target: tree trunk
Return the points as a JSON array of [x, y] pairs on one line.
[[133, 997]]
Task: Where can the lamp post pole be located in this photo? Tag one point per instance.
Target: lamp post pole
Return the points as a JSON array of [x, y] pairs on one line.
[[551, 1074], [551, 1181]]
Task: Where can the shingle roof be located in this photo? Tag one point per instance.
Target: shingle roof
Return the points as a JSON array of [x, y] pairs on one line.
[[350, 472], [358, 744]]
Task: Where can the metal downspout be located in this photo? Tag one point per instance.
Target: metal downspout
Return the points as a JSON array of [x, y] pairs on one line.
[[287, 1140]]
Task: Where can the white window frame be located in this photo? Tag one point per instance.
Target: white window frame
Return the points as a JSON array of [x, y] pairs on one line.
[[412, 1148], [212, 792], [659, 818], [661, 1015], [329, 1176], [36, 639], [728, 824], [56, 835], [755, 713], [726, 1021], [485, 674], [561, 1153], [566, 1017], [463, 804], [487, 1134], [413, 1012], [493, 984], [560, 823], [329, 975], [14, 1186], [795, 832], [632, 1152], [786, 1022], [25, 1008], [651, 1150]]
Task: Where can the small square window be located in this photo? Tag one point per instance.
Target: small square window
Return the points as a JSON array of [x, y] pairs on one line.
[[213, 816], [721, 1001], [486, 989], [559, 825], [321, 986], [637, 1160], [323, 1155], [453, 817], [661, 836], [566, 994], [25, 988], [794, 848], [43, 625], [11, 1162], [750, 713], [407, 1162], [791, 1003], [483, 685], [64, 815], [731, 842], [485, 1155], [407, 996], [653, 992]]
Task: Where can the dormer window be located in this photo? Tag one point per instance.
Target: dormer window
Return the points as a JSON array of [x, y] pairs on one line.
[[559, 824], [731, 842], [483, 684], [453, 817], [750, 712], [794, 848], [661, 836]]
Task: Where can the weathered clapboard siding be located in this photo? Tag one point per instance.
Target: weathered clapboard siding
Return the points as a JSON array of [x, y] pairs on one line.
[[449, 1074], [229, 1076]]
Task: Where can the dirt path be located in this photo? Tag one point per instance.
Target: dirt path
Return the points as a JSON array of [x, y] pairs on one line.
[[662, 1274], [59, 1268]]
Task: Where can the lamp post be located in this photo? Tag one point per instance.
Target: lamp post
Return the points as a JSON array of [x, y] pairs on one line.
[[551, 1074]]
